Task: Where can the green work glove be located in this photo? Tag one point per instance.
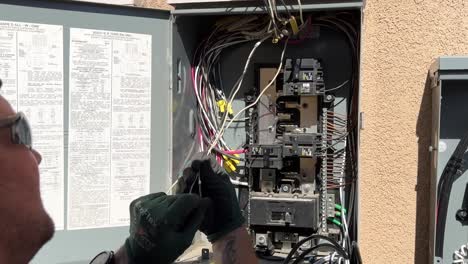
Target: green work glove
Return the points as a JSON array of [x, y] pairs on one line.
[[224, 215], [162, 226]]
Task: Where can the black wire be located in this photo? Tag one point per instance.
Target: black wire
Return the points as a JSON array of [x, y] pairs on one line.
[[356, 253], [341, 101], [286, 8], [444, 189], [309, 250], [270, 258], [315, 236]]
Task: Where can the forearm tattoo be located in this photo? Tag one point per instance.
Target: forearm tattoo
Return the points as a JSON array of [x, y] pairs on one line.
[[229, 252]]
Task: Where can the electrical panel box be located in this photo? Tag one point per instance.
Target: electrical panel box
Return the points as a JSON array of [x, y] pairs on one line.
[[289, 92], [290, 139], [449, 176]]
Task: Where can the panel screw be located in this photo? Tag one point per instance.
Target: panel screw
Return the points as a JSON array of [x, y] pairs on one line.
[[462, 215]]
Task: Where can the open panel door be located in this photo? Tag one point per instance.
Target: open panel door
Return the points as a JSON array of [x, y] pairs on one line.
[[90, 76]]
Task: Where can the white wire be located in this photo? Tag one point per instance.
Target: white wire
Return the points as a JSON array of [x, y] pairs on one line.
[[221, 132], [239, 183], [169, 191], [201, 105], [275, 11], [272, 14], [343, 216], [300, 11], [459, 256], [237, 89], [246, 67], [337, 87], [199, 100]]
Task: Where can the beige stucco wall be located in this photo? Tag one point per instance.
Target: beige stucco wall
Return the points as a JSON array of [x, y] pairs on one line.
[[401, 38], [400, 41], [153, 3]]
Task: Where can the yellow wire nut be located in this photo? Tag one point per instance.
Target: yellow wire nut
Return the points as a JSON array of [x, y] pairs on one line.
[[230, 164], [294, 26], [222, 104], [230, 110]]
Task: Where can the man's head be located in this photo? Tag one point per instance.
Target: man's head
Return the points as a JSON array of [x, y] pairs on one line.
[[24, 224]]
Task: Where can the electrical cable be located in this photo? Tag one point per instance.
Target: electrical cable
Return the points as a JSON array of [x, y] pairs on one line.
[[309, 250], [221, 132], [337, 87], [286, 8], [231, 99], [300, 11], [311, 237], [452, 170], [269, 258], [357, 253], [209, 87]]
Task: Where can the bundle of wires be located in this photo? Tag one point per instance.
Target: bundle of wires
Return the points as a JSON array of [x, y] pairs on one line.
[[345, 24], [335, 135], [214, 106], [215, 113], [453, 170]]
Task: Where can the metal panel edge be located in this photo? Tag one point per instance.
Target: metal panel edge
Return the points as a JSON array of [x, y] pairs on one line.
[[360, 126], [435, 127], [259, 10], [453, 63], [123, 18], [93, 7], [169, 91]]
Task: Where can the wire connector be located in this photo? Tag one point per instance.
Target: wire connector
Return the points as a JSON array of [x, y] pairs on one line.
[[230, 165], [294, 26], [224, 106], [339, 207], [335, 221]]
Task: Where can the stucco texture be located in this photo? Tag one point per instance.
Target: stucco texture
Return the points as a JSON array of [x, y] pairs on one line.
[[162, 4], [401, 39]]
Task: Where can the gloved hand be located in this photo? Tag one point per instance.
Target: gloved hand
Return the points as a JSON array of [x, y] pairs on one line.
[[162, 226], [225, 214]]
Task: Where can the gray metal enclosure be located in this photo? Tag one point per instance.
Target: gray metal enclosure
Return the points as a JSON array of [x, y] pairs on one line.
[[193, 23], [175, 39], [450, 125], [189, 30]]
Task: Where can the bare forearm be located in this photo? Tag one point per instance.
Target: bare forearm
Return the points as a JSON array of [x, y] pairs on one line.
[[234, 248]]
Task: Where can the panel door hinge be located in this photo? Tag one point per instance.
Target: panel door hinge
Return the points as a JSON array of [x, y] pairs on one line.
[[361, 120]]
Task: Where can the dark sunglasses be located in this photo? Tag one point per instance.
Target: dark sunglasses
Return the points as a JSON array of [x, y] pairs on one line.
[[20, 129]]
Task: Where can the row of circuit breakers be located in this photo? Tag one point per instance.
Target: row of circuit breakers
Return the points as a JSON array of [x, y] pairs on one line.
[[293, 137]]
